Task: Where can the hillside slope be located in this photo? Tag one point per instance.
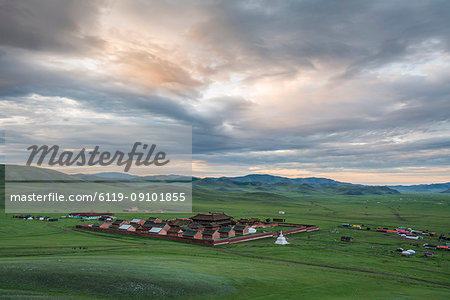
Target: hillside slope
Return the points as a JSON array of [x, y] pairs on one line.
[[270, 179], [422, 188], [227, 185]]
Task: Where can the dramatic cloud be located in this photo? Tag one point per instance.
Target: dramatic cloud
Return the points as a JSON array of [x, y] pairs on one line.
[[49, 25], [354, 90]]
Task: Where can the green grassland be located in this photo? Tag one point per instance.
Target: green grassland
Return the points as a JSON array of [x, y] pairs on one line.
[[43, 260]]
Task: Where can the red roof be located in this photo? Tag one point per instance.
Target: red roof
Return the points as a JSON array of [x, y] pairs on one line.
[[211, 217]]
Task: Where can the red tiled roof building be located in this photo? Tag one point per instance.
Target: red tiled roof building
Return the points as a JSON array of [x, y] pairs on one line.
[[217, 218]]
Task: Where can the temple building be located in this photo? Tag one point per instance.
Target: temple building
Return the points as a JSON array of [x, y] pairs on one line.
[[212, 219]]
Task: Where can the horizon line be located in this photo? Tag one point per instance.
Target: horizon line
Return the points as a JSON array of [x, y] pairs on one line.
[[228, 177]]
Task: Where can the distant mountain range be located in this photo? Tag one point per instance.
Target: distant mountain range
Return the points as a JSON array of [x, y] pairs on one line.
[[114, 175], [119, 175], [325, 182], [422, 188], [228, 185], [270, 179], [254, 182]]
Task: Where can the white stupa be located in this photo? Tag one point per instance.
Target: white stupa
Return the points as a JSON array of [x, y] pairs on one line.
[[281, 240]]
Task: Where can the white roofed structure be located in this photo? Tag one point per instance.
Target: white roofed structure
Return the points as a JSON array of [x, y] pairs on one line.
[[281, 240], [125, 227], [155, 229]]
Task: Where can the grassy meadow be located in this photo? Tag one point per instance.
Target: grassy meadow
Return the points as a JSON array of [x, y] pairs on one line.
[[43, 260]]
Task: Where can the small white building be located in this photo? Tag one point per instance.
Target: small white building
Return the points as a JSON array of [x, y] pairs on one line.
[[125, 227], [155, 230], [251, 230], [408, 253], [281, 240], [410, 237]]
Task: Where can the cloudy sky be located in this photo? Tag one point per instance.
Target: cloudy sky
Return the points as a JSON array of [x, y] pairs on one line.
[[356, 91]]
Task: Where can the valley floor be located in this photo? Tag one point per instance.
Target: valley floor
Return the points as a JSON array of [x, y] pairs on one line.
[[56, 261]]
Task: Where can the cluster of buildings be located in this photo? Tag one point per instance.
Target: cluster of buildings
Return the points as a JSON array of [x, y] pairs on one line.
[[438, 247], [202, 226], [31, 217], [404, 230], [92, 216], [352, 226], [407, 233], [210, 227]]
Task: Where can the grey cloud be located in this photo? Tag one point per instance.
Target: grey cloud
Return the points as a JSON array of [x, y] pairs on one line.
[[323, 155], [22, 78], [292, 35], [49, 25]]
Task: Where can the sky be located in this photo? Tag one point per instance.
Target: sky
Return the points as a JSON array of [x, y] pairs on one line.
[[356, 91]]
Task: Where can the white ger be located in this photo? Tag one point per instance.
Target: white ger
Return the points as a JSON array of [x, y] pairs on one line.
[[281, 240]]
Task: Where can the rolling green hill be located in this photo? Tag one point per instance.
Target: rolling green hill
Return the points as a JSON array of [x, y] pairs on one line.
[[29, 173], [249, 183], [227, 185], [271, 179], [422, 188]]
